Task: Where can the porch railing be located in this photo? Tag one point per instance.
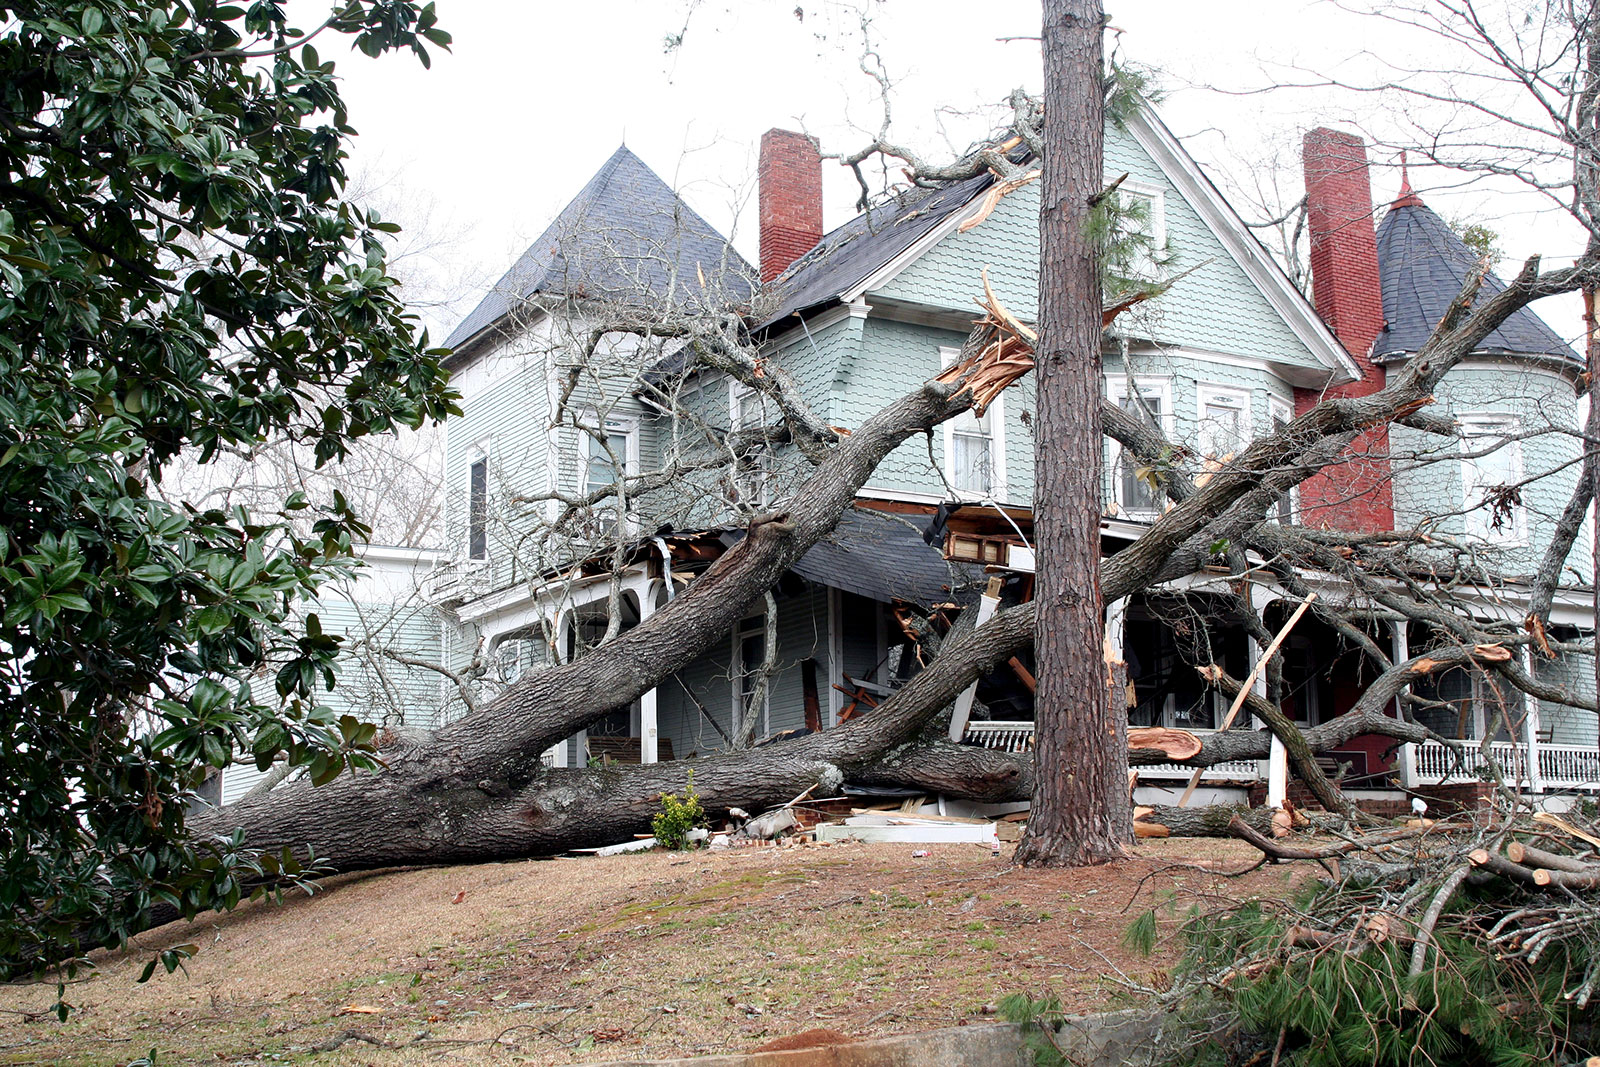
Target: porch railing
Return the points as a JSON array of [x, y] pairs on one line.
[[1017, 736], [1560, 766]]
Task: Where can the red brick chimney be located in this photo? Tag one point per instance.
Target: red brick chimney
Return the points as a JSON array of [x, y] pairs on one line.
[[790, 196], [1355, 492]]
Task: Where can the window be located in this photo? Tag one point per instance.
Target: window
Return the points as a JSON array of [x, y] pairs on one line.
[[1132, 487], [608, 450], [750, 652], [1224, 422], [748, 411], [1283, 512], [478, 509], [1142, 228], [603, 449], [974, 448], [1491, 461]]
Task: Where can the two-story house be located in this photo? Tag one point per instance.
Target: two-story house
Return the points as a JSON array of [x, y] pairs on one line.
[[565, 396]]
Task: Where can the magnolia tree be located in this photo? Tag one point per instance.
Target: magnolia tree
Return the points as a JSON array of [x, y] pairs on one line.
[[180, 277]]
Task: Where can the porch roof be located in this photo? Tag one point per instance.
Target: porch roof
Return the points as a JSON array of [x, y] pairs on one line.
[[884, 557]]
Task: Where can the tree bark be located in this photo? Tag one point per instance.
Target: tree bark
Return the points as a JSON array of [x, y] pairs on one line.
[[1081, 809]]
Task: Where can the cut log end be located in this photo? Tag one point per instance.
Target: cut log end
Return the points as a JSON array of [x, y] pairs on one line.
[[1178, 745]]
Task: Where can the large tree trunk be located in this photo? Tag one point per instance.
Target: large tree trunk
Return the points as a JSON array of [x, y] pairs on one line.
[[478, 791], [1081, 812]]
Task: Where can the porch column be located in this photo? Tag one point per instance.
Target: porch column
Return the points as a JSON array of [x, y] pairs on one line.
[[1530, 728], [1116, 662], [1400, 651], [963, 708], [580, 740], [1277, 755], [648, 745]]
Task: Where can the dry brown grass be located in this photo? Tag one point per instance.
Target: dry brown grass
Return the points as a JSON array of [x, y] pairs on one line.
[[652, 955]]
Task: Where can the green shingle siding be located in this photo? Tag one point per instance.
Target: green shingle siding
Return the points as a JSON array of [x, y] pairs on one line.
[[1216, 307], [1428, 471]]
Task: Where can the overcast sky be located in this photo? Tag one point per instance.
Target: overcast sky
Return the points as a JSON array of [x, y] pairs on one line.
[[481, 151]]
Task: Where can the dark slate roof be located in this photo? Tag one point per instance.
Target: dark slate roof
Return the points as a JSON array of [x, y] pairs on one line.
[[619, 239], [884, 557], [1422, 265], [850, 254]]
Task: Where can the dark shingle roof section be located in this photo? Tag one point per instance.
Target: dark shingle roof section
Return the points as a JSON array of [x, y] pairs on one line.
[[850, 254], [1422, 265], [884, 557], [626, 237]]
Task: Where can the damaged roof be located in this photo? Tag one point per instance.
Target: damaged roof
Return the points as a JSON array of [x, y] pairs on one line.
[[883, 557], [850, 254], [1422, 265], [625, 237]]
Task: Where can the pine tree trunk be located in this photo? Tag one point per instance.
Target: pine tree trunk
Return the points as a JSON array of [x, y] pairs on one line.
[[1081, 809]]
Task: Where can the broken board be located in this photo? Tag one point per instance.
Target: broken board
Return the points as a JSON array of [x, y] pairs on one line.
[[908, 831]]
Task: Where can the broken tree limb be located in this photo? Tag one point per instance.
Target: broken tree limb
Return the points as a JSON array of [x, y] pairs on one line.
[[1164, 820], [1244, 831], [1175, 745], [1249, 684], [1301, 756]]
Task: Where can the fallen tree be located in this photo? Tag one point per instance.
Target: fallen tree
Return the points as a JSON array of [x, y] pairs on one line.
[[477, 789]]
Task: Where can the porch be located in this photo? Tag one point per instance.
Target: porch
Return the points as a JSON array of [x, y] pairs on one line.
[[1556, 768]]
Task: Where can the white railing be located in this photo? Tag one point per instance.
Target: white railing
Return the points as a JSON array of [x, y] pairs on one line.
[[1017, 736], [1560, 766]]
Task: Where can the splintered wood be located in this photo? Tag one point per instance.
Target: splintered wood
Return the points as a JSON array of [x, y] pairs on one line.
[[1007, 356], [1009, 352]]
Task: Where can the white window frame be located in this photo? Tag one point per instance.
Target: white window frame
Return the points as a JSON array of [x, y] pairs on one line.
[[628, 427], [1280, 410], [1116, 392], [1157, 195], [480, 452], [1476, 426], [750, 626], [996, 413], [737, 393], [1232, 396]]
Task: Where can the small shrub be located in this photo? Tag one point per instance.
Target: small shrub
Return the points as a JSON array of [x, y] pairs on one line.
[[677, 817]]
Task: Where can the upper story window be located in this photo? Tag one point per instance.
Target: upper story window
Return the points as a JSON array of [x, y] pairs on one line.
[[1224, 422], [748, 410], [974, 446], [1284, 510], [1492, 463], [1141, 248], [1135, 488], [478, 508], [608, 451], [605, 447]]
